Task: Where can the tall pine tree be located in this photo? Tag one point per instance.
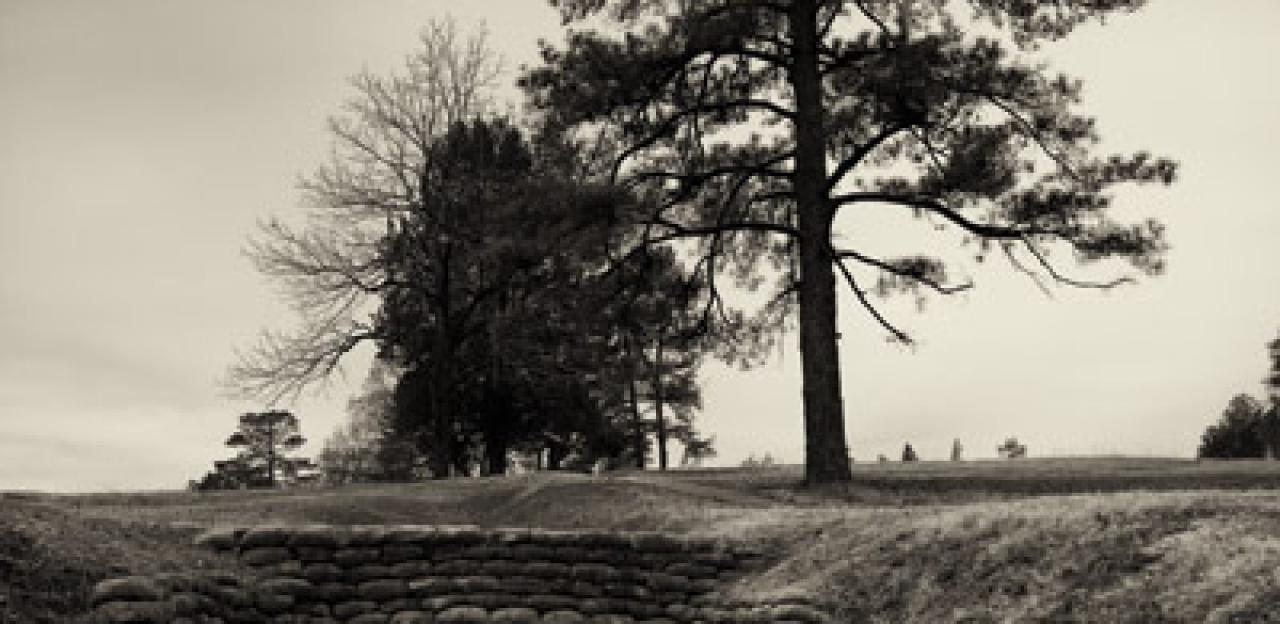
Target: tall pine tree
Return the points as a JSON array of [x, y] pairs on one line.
[[751, 124]]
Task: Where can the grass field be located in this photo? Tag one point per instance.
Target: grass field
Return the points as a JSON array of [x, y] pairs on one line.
[[1050, 540]]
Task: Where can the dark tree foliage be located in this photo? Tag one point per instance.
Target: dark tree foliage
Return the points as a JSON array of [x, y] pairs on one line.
[[748, 126], [448, 260], [1246, 430], [659, 316], [504, 318], [479, 310]]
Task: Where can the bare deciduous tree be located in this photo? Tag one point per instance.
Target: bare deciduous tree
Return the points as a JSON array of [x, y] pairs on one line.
[[336, 267]]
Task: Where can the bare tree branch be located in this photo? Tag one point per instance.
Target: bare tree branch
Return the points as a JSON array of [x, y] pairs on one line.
[[336, 267]]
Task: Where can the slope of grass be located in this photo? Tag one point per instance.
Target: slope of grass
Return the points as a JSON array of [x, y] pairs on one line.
[[1156, 557], [50, 557]]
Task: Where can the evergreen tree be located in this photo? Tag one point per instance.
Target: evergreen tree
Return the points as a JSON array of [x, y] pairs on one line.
[[1011, 449], [661, 317], [265, 440]]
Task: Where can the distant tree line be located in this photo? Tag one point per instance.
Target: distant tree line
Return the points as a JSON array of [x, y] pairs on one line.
[[1249, 427]]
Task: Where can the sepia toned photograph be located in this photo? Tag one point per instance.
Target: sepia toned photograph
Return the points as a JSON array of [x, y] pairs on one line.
[[639, 312]]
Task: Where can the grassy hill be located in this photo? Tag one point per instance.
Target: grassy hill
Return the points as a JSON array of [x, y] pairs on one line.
[[1054, 540]]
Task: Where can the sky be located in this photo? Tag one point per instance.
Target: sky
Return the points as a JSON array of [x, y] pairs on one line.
[[142, 140]]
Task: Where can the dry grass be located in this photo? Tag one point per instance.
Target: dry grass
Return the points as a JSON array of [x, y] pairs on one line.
[[1035, 541], [1154, 557], [943, 482]]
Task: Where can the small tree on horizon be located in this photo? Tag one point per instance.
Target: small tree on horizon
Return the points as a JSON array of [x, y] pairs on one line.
[[265, 440], [1012, 449], [909, 454]]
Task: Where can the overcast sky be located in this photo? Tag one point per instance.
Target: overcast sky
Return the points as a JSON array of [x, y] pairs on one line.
[[140, 142]]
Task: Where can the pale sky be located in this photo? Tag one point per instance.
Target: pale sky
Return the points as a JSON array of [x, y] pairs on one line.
[[140, 141]]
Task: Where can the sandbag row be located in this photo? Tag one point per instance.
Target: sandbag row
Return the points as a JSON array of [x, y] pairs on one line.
[[460, 575]]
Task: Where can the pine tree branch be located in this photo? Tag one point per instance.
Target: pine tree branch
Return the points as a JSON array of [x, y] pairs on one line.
[[680, 231], [936, 206], [669, 124], [853, 160], [875, 313], [888, 267], [763, 169], [1031, 132], [862, 8], [1058, 277], [1017, 264]]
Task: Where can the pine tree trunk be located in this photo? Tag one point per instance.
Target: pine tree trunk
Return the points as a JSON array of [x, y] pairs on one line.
[[271, 455], [459, 461], [826, 453], [555, 455], [442, 455], [495, 451], [659, 418], [638, 440], [438, 455]]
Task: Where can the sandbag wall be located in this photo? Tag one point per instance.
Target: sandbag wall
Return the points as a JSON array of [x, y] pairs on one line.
[[456, 575]]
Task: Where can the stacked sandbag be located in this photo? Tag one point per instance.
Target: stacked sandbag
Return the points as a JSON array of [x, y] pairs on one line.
[[196, 597], [466, 575]]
